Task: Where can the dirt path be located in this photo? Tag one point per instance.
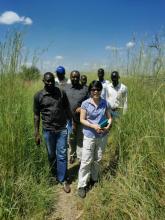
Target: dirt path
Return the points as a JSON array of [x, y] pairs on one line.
[[69, 206]]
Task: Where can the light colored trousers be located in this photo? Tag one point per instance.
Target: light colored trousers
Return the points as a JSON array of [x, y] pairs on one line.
[[92, 152]]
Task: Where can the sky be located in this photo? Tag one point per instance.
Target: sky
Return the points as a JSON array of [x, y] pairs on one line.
[[80, 34]]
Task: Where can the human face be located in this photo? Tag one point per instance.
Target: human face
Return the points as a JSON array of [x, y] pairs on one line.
[[60, 76], [49, 82], [101, 76], [115, 80], [75, 78], [95, 92], [83, 81]]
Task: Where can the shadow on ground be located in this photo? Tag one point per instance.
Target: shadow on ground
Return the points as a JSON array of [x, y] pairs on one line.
[[73, 172]]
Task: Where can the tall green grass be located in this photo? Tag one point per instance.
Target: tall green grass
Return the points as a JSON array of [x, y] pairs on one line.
[[138, 189], [25, 193]]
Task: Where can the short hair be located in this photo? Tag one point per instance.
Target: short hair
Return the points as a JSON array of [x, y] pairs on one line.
[[48, 74], [95, 83], [75, 71], [115, 74], [101, 70], [83, 76]]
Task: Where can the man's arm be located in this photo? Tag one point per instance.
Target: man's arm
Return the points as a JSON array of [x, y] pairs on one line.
[[66, 105]]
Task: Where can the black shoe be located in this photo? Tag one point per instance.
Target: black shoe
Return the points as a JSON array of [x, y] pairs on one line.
[[66, 187], [93, 183], [82, 192]]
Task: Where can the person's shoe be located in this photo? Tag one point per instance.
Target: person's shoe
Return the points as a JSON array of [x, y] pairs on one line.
[[66, 187], [82, 192], [93, 183]]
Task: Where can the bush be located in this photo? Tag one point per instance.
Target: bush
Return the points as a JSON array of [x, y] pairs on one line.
[[29, 73]]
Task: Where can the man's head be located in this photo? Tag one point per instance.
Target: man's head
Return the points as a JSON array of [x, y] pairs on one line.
[[115, 78], [60, 73], [100, 74], [83, 80], [49, 81], [75, 77]]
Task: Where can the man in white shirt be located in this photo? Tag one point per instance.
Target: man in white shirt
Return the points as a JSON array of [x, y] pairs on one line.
[[60, 79], [116, 95], [60, 82]]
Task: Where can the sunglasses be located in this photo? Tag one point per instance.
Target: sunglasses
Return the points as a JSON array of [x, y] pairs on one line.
[[98, 90]]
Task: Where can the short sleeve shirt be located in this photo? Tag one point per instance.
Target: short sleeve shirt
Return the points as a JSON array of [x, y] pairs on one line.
[[116, 96], [94, 115], [52, 107]]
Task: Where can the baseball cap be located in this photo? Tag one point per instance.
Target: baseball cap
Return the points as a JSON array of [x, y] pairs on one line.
[[60, 69]]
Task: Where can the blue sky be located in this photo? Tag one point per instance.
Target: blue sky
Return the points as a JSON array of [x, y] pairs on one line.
[[81, 34]]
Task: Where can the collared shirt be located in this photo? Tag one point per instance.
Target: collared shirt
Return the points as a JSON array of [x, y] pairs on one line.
[[53, 107], [104, 84], [116, 96], [94, 115], [61, 84], [76, 95]]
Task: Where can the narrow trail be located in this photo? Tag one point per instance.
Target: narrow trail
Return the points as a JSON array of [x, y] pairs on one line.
[[69, 206]]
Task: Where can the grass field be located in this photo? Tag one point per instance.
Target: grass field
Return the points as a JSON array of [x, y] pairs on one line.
[[133, 180], [137, 190]]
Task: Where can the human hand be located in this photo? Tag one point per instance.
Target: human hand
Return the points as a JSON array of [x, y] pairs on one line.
[[97, 128], [108, 127], [78, 110]]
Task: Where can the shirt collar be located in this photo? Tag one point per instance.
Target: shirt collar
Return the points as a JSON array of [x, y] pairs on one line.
[[78, 86], [100, 102], [104, 81], [116, 87], [44, 92]]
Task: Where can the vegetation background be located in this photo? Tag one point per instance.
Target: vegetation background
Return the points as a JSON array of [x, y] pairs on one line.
[[133, 180]]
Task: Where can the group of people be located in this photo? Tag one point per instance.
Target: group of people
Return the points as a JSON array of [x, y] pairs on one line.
[[79, 116]]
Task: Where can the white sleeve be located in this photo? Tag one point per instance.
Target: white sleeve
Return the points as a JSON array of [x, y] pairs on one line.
[[103, 93]]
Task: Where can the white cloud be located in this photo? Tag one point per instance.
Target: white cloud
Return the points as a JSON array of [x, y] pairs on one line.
[[109, 47], [59, 57], [86, 64], [130, 44], [10, 17], [28, 21]]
